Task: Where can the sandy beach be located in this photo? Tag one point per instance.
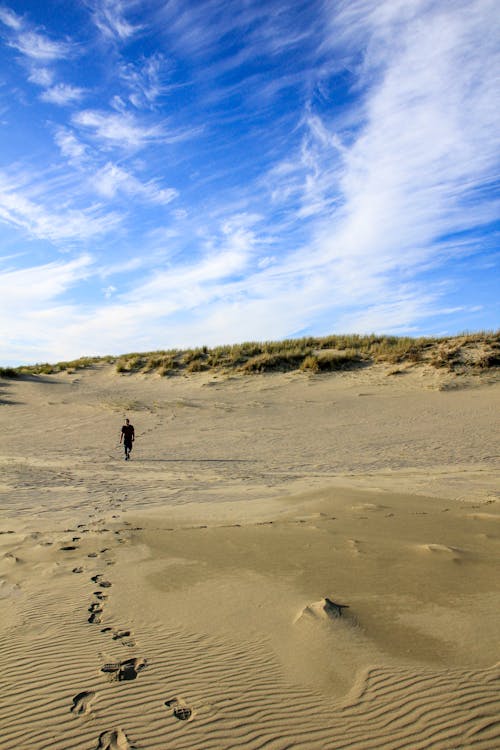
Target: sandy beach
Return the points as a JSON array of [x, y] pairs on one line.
[[189, 598]]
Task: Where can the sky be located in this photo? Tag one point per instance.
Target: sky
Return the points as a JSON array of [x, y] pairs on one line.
[[179, 173]]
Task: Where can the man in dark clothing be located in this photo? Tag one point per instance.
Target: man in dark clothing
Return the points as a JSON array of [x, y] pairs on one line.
[[128, 437]]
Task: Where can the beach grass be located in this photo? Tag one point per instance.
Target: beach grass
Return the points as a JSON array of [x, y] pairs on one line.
[[477, 351]]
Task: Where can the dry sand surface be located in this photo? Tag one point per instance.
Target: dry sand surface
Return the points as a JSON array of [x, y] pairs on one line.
[[188, 598]]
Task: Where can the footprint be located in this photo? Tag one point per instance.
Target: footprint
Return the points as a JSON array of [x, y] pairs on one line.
[[92, 554], [11, 557], [124, 636], [77, 570], [114, 740], [105, 584], [99, 595], [68, 548], [355, 546], [95, 610], [81, 702], [125, 670], [181, 710]]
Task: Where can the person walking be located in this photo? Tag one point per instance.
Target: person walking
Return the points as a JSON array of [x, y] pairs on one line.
[[127, 437]]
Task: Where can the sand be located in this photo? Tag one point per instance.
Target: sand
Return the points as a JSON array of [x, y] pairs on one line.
[[189, 598]]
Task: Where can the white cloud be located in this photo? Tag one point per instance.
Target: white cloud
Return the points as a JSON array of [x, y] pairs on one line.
[[36, 285], [43, 222], [121, 267], [144, 80], [110, 18], [40, 48], [40, 51], [124, 130], [269, 28], [28, 299], [41, 76], [228, 255], [111, 180], [117, 129], [69, 145], [63, 94], [10, 19]]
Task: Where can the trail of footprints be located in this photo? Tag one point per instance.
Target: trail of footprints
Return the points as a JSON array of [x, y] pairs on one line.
[[119, 671]]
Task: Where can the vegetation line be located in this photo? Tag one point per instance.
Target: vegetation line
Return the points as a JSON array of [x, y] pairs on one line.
[[478, 351]]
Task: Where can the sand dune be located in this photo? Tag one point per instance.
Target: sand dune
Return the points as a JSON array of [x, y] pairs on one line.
[[191, 598]]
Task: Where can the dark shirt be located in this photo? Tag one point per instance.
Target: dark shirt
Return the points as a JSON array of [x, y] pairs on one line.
[[128, 433]]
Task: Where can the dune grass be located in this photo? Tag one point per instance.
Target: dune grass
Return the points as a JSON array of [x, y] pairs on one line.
[[8, 372], [476, 351]]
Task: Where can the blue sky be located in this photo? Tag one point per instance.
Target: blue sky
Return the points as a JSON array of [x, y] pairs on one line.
[[176, 173]]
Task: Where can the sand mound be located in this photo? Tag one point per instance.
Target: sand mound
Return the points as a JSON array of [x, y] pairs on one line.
[[326, 609]]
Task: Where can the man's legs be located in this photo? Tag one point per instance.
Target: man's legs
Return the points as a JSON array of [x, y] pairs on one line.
[[127, 450]]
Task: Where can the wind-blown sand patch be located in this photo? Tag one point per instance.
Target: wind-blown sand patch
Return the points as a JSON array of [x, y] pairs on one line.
[[187, 598]]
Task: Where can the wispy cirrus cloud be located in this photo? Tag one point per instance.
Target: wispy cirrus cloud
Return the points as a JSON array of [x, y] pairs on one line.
[[145, 80], [122, 129], [111, 180], [271, 28], [35, 285], [69, 145], [40, 53], [41, 76], [63, 94], [10, 19], [110, 17], [62, 223], [30, 298], [161, 293], [40, 48], [117, 128]]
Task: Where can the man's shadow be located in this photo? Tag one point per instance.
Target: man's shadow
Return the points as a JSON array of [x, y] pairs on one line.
[[195, 460], [5, 401]]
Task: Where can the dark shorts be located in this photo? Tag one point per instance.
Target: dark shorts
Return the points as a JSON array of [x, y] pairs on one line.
[[127, 445]]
